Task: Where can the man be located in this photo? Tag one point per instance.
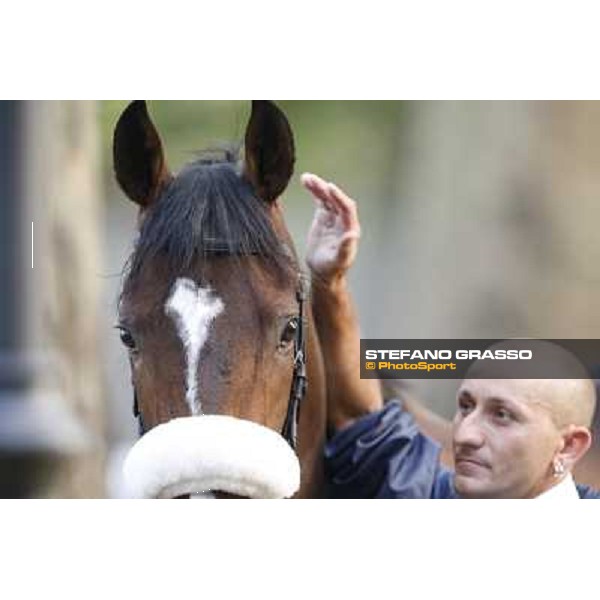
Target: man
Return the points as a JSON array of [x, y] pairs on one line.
[[511, 438]]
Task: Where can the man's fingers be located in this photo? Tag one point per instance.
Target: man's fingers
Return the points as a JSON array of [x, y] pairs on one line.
[[332, 199], [346, 208], [315, 185], [311, 180], [319, 188]]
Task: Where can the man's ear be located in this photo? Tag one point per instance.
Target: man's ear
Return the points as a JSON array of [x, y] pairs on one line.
[[269, 150], [138, 157], [576, 442]]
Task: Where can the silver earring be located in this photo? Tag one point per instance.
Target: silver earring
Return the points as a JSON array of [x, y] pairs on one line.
[[559, 467]]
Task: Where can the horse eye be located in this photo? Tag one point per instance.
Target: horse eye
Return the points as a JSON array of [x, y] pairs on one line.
[[289, 333], [127, 339]]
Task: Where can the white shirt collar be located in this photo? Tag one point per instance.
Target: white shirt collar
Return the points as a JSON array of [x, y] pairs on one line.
[[564, 490]]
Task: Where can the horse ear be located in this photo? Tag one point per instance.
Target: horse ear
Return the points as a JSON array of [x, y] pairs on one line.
[[138, 157], [270, 153]]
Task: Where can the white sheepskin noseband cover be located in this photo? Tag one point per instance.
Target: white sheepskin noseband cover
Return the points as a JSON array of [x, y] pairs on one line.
[[211, 452]]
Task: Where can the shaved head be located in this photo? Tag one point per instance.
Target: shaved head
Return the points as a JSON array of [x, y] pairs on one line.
[[570, 400]]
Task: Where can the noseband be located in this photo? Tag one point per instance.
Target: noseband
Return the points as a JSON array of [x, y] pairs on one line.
[[289, 430]]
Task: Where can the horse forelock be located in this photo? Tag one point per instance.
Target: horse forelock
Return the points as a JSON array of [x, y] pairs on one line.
[[210, 210]]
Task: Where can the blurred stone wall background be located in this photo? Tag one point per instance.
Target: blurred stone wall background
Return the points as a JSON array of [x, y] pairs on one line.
[[52, 396], [71, 259]]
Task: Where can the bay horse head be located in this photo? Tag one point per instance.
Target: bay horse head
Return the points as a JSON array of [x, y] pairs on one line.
[[213, 313]]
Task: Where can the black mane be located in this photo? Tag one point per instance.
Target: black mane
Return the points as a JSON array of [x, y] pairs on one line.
[[208, 209]]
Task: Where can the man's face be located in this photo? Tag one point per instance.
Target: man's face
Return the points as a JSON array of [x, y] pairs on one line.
[[504, 439]]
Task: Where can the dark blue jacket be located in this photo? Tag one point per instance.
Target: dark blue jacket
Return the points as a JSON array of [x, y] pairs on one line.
[[384, 455]]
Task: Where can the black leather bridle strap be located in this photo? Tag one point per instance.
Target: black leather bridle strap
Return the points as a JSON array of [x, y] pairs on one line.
[[299, 378], [137, 414]]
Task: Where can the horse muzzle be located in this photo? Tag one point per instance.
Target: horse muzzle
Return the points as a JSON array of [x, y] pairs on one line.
[[211, 453]]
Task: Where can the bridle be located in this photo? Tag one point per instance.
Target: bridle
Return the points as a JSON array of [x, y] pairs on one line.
[[299, 385], [299, 379]]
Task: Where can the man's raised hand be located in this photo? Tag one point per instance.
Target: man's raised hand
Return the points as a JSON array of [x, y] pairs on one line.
[[333, 236]]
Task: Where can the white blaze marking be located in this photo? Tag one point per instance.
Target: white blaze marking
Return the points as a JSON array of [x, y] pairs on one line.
[[193, 309]]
